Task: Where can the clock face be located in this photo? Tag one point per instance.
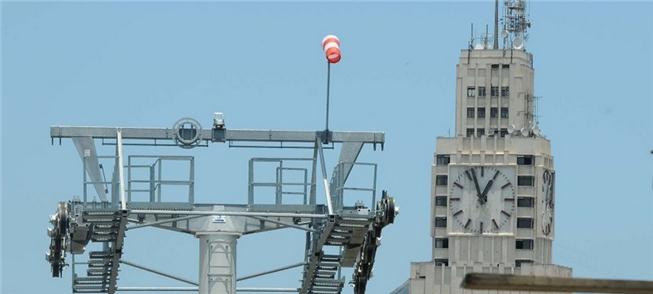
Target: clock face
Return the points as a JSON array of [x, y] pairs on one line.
[[482, 199], [548, 179]]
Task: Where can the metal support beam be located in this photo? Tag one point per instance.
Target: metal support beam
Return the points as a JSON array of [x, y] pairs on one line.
[[156, 223], [272, 271], [147, 269], [327, 190], [508, 282], [195, 289], [312, 194], [119, 166], [157, 289], [229, 213], [207, 135], [268, 290], [294, 226]]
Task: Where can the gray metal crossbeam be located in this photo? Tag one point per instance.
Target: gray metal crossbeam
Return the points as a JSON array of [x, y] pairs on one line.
[[195, 289], [167, 275], [235, 135], [283, 268]]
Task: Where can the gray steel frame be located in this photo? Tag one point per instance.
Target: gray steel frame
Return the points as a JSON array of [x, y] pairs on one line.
[[176, 216], [224, 135]]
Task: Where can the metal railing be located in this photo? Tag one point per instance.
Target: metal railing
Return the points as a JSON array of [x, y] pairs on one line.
[[340, 178], [86, 182], [155, 181], [280, 184]]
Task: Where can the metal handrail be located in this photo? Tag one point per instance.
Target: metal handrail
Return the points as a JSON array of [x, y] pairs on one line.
[[339, 181]]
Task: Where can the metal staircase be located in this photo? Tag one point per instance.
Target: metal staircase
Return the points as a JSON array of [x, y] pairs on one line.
[[322, 271], [108, 227]]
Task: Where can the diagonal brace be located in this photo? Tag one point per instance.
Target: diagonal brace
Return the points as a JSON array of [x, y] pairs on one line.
[[147, 269]]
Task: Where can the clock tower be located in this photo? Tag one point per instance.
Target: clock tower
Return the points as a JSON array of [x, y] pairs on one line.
[[492, 193]]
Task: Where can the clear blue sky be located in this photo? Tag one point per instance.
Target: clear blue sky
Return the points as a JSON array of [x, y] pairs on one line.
[[148, 64]]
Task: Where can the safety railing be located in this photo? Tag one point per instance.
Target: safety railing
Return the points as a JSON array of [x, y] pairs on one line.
[[153, 182], [340, 179], [299, 187], [104, 182]]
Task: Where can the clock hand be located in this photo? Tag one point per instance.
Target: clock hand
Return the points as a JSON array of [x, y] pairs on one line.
[[488, 186], [478, 189]]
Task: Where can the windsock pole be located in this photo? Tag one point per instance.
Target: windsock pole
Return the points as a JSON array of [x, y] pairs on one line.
[[328, 88], [331, 47]]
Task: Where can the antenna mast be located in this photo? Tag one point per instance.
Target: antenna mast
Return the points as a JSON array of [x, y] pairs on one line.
[[516, 23], [496, 25]]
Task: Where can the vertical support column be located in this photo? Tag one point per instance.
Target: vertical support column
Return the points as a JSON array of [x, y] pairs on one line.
[[327, 190], [191, 178], [119, 166], [217, 272], [159, 186], [152, 185], [250, 182], [312, 197]]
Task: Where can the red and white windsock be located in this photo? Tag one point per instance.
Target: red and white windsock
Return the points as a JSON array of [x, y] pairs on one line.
[[331, 46]]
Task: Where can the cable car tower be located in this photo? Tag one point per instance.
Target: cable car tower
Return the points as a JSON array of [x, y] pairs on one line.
[[338, 235]]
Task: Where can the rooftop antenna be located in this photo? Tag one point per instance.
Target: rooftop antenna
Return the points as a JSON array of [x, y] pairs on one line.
[[486, 38], [471, 37], [496, 25], [516, 23]]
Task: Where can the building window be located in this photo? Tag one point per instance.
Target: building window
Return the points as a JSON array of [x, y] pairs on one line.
[[505, 91], [494, 112], [525, 244], [492, 132], [471, 91], [480, 132], [441, 180], [495, 66], [440, 221], [525, 160], [470, 132], [441, 201], [504, 112], [442, 159], [525, 202], [494, 91], [524, 223], [480, 112], [470, 112], [441, 243], [441, 262], [481, 91], [519, 262], [525, 181], [505, 66], [504, 132]]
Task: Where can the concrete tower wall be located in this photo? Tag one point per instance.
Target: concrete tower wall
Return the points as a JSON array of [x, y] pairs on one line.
[[477, 226]]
